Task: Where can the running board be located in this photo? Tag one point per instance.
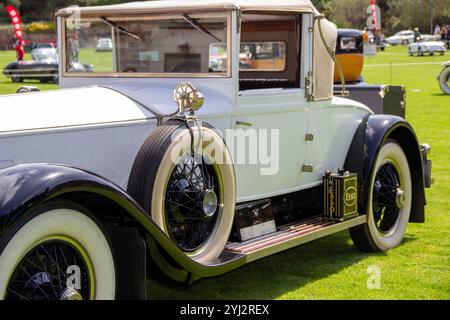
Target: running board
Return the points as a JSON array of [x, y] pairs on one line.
[[291, 236]]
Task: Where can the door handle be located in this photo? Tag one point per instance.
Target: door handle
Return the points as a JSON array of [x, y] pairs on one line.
[[243, 123]]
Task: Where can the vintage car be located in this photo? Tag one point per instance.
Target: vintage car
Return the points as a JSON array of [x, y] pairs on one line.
[[43, 67], [108, 179], [422, 47], [350, 54], [402, 37], [407, 37], [104, 44], [444, 78]]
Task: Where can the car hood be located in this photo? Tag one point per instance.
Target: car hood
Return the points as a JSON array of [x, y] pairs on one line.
[[68, 108]]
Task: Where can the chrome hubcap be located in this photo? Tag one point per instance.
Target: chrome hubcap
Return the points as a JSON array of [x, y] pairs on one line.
[[209, 203], [70, 294], [400, 198]]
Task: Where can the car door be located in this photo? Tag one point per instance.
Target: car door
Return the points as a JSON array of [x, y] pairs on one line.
[[273, 122], [331, 127]]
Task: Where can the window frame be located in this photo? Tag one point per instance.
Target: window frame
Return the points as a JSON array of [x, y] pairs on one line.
[[226, 74], [268, 70]]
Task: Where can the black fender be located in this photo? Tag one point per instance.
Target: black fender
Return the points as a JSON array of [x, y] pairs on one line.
[[23, 187], [370, 136]]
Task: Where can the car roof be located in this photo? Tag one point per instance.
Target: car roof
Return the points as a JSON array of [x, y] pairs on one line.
[[170, 6], [43, 50], [349, 32]]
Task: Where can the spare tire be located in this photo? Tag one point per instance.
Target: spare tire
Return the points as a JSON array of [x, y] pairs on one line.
[[187, 184], [444, 79]]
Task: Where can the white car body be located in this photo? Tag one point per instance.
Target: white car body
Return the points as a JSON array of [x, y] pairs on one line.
[[100, 130], [427, 47], [402, 37]]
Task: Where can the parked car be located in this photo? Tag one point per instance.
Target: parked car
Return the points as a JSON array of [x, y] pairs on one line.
[[423, 47], [43, 67], [402, 37], [109, 180], [444, 78], [407, 37], [32, 45], [350, 54], [104, 44]]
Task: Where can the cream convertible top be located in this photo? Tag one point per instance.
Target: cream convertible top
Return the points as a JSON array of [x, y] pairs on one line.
[[323, 64]]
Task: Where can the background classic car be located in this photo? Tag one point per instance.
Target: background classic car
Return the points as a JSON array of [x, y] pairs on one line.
[[132, 179], [427, 47], [43, 67]]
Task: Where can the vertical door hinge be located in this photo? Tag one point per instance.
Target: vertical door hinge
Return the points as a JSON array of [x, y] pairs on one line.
[[309, 86]]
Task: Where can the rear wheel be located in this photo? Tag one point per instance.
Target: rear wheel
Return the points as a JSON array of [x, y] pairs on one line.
[[389, 204], [420, 52], [16, 78], [190, 193], [59, 254]]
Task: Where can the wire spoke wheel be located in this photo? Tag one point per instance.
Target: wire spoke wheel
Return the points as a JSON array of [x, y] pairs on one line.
[[53, 270], [387, 197], [192, 203]]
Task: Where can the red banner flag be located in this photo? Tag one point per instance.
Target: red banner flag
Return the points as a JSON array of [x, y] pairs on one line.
[[15, 19], [374, 15]]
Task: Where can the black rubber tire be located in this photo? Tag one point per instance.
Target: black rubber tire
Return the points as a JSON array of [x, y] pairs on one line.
[[364, 236], [147, 186], [443, 79], [102, 241], [15, 78], [145, 166]]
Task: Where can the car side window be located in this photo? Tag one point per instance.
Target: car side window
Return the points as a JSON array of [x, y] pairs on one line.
[[269, 51]]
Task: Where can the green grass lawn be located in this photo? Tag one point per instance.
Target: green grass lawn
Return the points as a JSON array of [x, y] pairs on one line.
[[332, 268]]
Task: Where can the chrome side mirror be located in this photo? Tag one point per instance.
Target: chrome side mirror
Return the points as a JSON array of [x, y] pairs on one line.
[[188, 98]]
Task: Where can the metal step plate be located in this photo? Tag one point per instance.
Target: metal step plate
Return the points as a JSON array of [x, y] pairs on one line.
[[291, 236]]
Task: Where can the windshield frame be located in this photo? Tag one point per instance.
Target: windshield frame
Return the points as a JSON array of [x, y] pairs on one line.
[[225, 74]]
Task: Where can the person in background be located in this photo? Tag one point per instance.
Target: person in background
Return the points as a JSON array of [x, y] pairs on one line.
[[447, 36], [443, 32], [75, 48], [366, 36], [416, 34], [437, 30], [20, 51]]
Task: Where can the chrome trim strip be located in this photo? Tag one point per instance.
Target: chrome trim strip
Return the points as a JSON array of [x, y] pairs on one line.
[[290, 243]]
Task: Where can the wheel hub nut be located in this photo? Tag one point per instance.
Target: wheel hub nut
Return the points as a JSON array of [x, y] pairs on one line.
[[400, 198], [70, 294], [209, 203]]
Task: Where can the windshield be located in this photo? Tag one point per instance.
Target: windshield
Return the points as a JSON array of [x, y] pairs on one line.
[[151, 46]]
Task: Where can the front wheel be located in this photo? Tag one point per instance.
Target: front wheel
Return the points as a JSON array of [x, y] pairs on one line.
[[188, 187], [16, 79], [61, 253], [389, 202], [420, 52], [444, 80]]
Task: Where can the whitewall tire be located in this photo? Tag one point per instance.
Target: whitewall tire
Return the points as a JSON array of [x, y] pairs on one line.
[[192, 201], [389, 201], [56, 237], [444, 80]]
